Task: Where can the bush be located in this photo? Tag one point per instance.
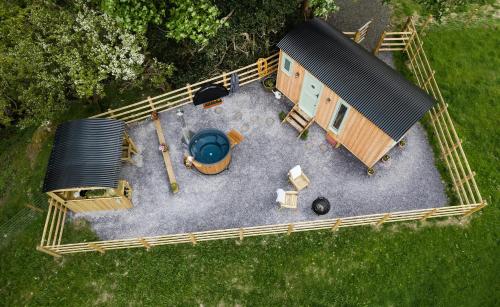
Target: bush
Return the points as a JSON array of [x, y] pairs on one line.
[[282, 115], [304, 135]]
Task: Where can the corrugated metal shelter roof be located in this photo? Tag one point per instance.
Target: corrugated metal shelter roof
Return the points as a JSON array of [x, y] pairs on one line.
[[86, 153], [373, 88]]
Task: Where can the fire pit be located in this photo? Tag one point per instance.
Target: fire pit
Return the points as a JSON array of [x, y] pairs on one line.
[[321, 206], [211, 151]]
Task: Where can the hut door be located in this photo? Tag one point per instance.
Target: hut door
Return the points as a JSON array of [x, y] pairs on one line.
[[309, 96]]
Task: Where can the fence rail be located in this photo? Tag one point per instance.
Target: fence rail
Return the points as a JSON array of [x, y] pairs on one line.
[[408, 41], [450, 144], [182, 96], [241, 233]]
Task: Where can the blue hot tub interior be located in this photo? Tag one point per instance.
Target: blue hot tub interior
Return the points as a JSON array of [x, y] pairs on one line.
[[209, 146]]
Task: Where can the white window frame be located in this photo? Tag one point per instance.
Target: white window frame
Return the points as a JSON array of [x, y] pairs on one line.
[[337, 109], [285, 58]]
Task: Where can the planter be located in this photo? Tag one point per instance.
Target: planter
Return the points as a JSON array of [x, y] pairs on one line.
[[370, 171], [269, 83], [402, 144], [386, 158]]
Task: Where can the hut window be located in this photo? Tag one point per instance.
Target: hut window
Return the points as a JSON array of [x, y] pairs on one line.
[[287, 65], [339, 116]]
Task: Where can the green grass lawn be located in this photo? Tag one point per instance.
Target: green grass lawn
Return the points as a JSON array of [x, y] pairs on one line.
[[443, 263]]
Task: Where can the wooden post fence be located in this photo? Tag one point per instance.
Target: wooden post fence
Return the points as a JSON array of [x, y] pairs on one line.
[[450, 145]]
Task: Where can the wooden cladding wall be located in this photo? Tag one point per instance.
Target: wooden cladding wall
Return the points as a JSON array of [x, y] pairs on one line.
[[98, 204], [326, 107], [363, 139], [291, 85], [360, 136]]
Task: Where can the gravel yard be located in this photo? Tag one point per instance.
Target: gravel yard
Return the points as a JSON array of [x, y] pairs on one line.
[[245, 194]]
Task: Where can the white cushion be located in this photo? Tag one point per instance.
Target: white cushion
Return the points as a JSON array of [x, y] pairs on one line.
[[296, 171], [281, 196]]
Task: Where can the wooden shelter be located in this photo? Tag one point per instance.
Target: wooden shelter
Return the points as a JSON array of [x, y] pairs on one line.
[[362, 103], [84, 166]]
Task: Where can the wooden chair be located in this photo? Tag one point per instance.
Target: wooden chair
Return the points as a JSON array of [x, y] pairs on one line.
[[287, 199], [298, 178], [235, 137]]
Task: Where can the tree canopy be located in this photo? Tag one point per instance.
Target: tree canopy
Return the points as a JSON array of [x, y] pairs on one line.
[[55, 53], [51, 55]]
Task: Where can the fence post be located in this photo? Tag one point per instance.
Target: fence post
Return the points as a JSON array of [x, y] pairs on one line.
[[357, 36], [192, 238], [48, 251], [336, 226], [111, 113], [425, 25], [428, 214], [190, 92], [241, 234], [383, 219], [96, 247], [262, 67], [145, 243], [481, 206], [151, 105], [379, 44], [224, 80]]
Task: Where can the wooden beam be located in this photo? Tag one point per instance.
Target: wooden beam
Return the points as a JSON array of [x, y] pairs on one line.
[[62, 226], [290, 229], [47, 219], [166, 157], [56, 197]]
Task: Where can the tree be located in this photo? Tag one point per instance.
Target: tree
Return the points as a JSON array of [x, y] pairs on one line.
[[440, 8], [195, 20], [49, 55], [135, 15], [322, 8]]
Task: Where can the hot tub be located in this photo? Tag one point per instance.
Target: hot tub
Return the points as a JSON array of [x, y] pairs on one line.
[[211, 151]]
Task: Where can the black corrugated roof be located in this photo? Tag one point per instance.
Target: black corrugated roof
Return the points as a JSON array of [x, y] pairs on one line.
[[373, 88], [86, 153]]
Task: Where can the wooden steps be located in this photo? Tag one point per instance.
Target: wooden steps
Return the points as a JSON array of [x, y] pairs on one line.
[[298, 119]]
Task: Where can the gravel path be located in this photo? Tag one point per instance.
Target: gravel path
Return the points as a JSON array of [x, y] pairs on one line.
[[354, 14], [245, 194]]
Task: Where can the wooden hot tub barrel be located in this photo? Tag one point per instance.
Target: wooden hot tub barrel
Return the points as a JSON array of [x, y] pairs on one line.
[[215, 168], [211, 150]]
